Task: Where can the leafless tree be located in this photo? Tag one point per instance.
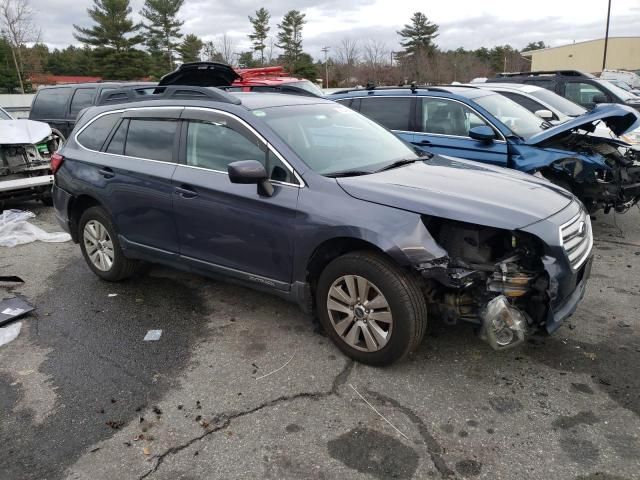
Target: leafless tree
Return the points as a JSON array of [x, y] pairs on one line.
[[18, 28], [225, 48], [209, 52], [374, 55], [270, 51], [348, 52]]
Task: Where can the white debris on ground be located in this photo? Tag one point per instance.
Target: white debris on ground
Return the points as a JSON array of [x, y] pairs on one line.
[[16, 230], [152, 335], [10, 333]]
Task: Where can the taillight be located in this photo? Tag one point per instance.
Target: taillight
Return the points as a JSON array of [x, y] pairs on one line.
[[56, 162]]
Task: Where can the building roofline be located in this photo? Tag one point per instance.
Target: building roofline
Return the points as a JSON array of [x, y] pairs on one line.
[[531, 52]]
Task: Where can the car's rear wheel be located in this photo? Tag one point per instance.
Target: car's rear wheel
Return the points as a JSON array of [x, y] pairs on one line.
[[101, 248], [372, 309]]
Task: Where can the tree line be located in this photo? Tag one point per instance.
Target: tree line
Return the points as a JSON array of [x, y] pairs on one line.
[[114, 47]]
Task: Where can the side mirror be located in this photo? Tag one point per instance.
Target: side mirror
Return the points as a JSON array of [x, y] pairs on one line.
[[482, 133], [545, 114], [250, 172], [599, 99]]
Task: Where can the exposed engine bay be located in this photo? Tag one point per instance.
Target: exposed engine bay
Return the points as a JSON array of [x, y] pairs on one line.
[[492, 277], [616, 184], [25, 154]]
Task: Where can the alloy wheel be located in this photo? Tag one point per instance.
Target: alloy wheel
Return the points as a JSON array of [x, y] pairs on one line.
[[98, 245], [360, 313]]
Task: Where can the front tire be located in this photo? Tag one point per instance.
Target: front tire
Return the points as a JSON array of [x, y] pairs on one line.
[[101, 248], [372, 309]]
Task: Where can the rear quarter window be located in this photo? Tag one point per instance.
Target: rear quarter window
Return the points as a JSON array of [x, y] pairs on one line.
[[97, 132], [50, 103], [151, 139]]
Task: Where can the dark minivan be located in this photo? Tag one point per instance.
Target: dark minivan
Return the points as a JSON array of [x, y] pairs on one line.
[[311, 201], [59, 105]]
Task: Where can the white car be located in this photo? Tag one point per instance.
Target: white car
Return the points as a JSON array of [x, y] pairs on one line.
[[551, 107], [25, 151], [630, 78]]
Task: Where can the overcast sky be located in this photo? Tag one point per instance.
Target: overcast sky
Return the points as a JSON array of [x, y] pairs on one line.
[[463, 23]]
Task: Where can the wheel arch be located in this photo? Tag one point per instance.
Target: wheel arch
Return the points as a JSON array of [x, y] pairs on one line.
[[76, 208]]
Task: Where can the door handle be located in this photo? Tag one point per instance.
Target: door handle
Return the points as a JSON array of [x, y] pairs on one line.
[[422, 142], [106, 172], [186, 192]]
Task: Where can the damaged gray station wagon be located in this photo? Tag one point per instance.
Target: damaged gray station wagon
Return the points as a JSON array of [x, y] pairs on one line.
[[314, 202]]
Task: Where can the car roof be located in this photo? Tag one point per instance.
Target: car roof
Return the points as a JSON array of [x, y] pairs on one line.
[[257, 100], [449, 91], [97, 85], [521, 87]]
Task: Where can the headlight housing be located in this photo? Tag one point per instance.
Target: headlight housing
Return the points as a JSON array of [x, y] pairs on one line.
[[632, 137]]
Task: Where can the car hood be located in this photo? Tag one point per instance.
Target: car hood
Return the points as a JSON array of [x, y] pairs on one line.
[[201, 74], [461, 190], [21, 132], [619, 118]]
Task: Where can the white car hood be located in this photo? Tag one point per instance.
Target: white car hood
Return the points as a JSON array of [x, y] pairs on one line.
[[21, 132]]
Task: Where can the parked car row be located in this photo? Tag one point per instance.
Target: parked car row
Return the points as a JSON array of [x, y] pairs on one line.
[[314, 200]]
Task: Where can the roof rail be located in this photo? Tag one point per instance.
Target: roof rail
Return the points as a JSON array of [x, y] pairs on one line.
[[413, 87], [153, 92], [564, 73]]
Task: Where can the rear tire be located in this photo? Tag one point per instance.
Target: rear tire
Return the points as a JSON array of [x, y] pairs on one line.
[[373, 310], [101, 248]]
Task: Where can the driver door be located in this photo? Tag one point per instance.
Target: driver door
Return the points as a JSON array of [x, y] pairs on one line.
[[228, 227]]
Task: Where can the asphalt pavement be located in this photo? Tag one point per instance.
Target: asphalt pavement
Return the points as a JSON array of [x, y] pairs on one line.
[[244, 385]]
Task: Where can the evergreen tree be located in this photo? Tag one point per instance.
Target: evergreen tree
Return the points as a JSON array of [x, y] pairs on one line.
[[8, 78], [114, 37], [163, 28], [418, 35], [290, 37], [190, 49], [260, 31]]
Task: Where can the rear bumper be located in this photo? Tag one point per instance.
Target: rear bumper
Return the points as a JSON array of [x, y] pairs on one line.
[[61, 201], [25, 183]]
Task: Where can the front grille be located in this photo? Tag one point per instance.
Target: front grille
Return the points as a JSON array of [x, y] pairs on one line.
[[577, 239]]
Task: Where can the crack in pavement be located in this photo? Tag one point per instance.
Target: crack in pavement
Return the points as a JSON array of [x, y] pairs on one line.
[[227, 417], [616, 242], [433, 447]]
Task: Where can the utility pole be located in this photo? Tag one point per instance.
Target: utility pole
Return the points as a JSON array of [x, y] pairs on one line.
[[606, 38], [326, 66]]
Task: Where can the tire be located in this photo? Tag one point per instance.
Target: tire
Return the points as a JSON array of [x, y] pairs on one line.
[[366, 330], [110, 263]]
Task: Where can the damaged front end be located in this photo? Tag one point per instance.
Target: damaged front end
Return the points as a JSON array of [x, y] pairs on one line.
[[25, 154], [605, 176], [494, 278]]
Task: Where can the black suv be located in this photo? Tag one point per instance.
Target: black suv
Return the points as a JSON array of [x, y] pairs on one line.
[[59, 106], [579, 87]]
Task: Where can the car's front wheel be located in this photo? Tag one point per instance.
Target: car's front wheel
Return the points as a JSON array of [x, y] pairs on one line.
[[101, 248], [373, 310]]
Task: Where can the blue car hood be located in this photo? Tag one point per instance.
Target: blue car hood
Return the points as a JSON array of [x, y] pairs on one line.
[[462, 190], [619, 118]]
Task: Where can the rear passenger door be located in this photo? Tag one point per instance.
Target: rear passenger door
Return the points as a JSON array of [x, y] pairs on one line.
[[443, 126], [81, 99], [228, 227], [132, 176]]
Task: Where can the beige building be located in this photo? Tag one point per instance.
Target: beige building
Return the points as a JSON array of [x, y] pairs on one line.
[[623, 53]]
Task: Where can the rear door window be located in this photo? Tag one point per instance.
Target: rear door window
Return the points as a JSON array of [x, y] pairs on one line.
[[116, 144], [151, 139], [392, 112], [51, 103], [82, 98], [94, 135]]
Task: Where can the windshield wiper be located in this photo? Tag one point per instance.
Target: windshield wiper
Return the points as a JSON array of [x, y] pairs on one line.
[[400, 163], [347, 173]]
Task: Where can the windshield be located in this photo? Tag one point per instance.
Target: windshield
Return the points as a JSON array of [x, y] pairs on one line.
[[559, 103], [331, 138], [4, 115], [308, 86], [622, 85], [617, 91], [519, 120]]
